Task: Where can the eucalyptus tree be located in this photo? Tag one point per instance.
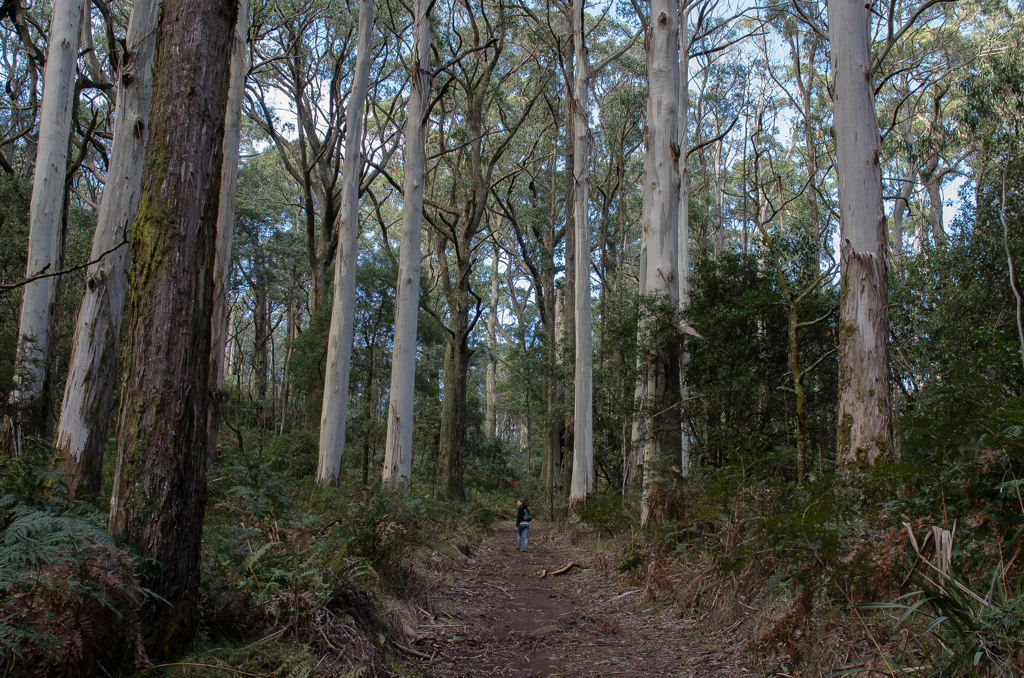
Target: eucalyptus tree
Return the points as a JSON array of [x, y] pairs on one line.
[[806, 52], [339, 342], [159, 493], [304, 55], [919, 97], [493, 96], [704, 36], [226, 219], [549, 32], [46, 211], [905, 184], [864, 400], [398, 448], [532, 236], [793, 247], [583, 413], [683, 219], [660, 227], [93, 366], [618, 139]]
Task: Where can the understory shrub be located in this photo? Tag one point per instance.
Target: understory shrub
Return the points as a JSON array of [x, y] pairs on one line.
[[69, 592]]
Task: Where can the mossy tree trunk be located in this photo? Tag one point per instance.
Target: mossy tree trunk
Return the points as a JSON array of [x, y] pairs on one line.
[[159, 492], [453, 414]]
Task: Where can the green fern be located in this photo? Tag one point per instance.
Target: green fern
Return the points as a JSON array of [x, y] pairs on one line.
[[296, 666], [257, 554], [62, 579]]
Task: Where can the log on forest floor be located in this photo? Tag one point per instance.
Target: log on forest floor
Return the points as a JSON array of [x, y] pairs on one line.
[[563, 570]]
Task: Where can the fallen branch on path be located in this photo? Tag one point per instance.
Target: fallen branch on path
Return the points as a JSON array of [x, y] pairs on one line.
[[558, 572], [409, 650]]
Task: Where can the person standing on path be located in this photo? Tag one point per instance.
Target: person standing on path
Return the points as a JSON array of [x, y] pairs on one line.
[[523, 519]]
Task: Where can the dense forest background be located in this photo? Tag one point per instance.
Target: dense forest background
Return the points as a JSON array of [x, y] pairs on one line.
[[759, 498]]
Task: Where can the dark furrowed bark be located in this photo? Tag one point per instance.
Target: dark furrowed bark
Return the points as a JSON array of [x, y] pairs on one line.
[[160, 483]]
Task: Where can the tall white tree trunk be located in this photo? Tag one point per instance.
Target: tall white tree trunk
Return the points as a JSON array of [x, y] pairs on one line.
[[47, 205], [661, 223], [92, 370], [226, 222], [684, 217], [339, 343], [398, 447], [864, 403], [583, 427]]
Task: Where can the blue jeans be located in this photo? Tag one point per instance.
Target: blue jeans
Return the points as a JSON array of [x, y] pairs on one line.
[[523, 536]]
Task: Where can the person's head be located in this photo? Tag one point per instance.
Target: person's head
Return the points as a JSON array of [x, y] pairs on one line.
[[521, 501]]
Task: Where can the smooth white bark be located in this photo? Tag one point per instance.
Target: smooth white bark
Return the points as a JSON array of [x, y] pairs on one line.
[[583, 427], [864, 402], [226, 221], [92, 369], [401, 399], [339, 343], [46, 209], [661, 192]]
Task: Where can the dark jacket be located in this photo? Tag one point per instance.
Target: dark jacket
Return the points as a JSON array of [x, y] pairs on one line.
[[520, 516]]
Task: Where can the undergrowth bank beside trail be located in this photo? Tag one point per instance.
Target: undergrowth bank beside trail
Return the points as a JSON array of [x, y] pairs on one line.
[[913, 567], [297, 580]]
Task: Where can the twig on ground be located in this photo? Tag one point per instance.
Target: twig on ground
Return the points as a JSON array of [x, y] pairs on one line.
[[409, 650], [493, 586], [623, 595], [329, 643], [212, 666]]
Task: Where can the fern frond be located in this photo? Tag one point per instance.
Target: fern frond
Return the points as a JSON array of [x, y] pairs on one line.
[[255, 556]]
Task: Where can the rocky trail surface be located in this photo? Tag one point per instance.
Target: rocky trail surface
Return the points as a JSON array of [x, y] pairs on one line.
[[499, 614]]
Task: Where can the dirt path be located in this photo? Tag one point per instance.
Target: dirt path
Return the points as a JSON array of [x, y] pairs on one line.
[[496, 616]]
